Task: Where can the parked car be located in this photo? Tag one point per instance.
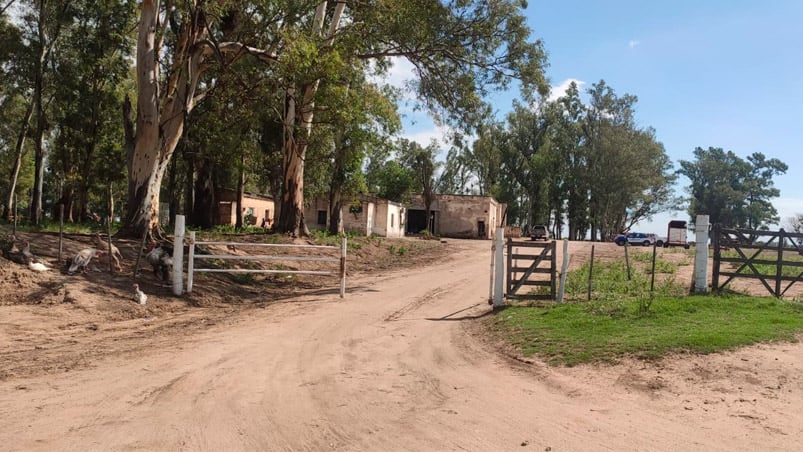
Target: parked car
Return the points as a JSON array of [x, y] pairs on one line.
[[539, 231], [635, 238]]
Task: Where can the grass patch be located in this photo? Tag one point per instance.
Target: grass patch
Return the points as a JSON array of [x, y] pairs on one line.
[[606, 331]]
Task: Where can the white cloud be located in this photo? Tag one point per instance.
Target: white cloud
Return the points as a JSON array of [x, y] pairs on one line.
[[633, 43], [787, 207], [559, 91], [424, 137]]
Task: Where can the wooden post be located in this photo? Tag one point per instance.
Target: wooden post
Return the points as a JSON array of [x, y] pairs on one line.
[[715, 237], [509, 267], [500, 268], [564, 267], [61, 230], [343, 268], [627, 260], [652, 280], [16, 201], [190, 262], [178, 256], [779, 265], [553, 245], [109, 230], [591, 270]]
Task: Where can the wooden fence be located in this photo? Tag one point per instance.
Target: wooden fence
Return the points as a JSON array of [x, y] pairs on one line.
[[526, 259], [762, 255], [341, 271]]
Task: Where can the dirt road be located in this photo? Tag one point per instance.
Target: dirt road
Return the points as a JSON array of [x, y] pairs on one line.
[[396, 366]]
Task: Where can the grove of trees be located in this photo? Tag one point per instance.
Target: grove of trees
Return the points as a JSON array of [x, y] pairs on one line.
[[114, 107], [732, 191]]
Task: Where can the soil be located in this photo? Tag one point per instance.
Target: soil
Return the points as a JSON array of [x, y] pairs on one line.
[[401, 363]]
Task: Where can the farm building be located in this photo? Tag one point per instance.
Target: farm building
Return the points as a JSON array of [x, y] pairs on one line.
[[459, 216], [368, 215], [255, 207]]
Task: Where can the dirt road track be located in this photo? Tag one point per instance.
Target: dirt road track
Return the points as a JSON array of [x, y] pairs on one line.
[[396, 367]]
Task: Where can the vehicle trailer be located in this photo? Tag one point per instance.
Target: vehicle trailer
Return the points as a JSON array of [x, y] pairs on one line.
[[676, 234]]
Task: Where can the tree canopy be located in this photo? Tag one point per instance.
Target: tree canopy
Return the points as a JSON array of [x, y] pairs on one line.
[[732, 191]]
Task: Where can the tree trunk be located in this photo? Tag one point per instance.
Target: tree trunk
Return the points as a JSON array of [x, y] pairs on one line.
[[297, 128], [160, 115], [204, 212], [189, 183], [240, 193], [15, 169], [35, 212]]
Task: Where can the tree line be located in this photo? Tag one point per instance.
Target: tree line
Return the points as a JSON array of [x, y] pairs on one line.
[[148, 101]]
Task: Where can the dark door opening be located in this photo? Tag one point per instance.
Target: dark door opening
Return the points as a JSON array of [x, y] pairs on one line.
[[416, 221], [481, 229]]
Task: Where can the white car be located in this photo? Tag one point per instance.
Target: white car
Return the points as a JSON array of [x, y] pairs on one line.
[[635, 238]]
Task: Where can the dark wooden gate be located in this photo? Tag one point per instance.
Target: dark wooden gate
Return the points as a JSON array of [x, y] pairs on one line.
[[761, 255], [530, 264]]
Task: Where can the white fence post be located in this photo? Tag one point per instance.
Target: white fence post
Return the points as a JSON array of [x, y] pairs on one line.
[[343, 268], [564, 267], [191, 262], [500, 268], [701, 254], [492, 272], [178, 256]]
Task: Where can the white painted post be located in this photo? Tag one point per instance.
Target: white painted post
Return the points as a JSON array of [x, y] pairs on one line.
[[178, 256], [701, 254], [191, 262], [500, 269], [564, 267], [343, 268], [491, 273]]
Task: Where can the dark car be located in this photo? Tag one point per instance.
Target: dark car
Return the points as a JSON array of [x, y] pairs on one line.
[[539, 231]]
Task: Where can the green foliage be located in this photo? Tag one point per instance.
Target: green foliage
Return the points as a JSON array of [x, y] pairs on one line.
[[610, 282], [607, 331], [732, 191]]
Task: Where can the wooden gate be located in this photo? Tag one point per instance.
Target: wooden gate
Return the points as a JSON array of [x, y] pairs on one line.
[[774, 257], [530, 264]]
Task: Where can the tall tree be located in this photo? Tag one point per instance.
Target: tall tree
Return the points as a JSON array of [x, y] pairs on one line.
[[420, 162], [45, 20], [460, 50], [730, 190]]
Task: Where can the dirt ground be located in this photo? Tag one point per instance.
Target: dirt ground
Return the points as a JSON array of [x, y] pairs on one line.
[[400, 364]]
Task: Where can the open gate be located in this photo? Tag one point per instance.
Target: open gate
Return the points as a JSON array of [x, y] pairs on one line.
[[530, 264], [774, 258]]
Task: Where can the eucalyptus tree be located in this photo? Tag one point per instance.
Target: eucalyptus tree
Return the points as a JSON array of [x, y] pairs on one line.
[[730, 190], [524, 159], [460, 50], [485, 157], [567, 143], [421, 163], [365, 118], [42, 24], [87, 156], [16, 111]]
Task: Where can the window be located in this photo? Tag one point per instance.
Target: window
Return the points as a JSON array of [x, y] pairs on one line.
[[391, 220], [322, 217]]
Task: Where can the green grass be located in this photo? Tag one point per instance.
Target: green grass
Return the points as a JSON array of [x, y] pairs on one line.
[[69, 228], [610, 282], [606, 331]]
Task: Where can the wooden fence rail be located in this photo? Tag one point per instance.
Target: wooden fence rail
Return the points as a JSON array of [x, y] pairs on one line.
[[761, 255], [341, 271]]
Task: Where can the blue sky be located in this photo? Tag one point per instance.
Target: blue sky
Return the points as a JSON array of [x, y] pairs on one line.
[[715, 73]]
